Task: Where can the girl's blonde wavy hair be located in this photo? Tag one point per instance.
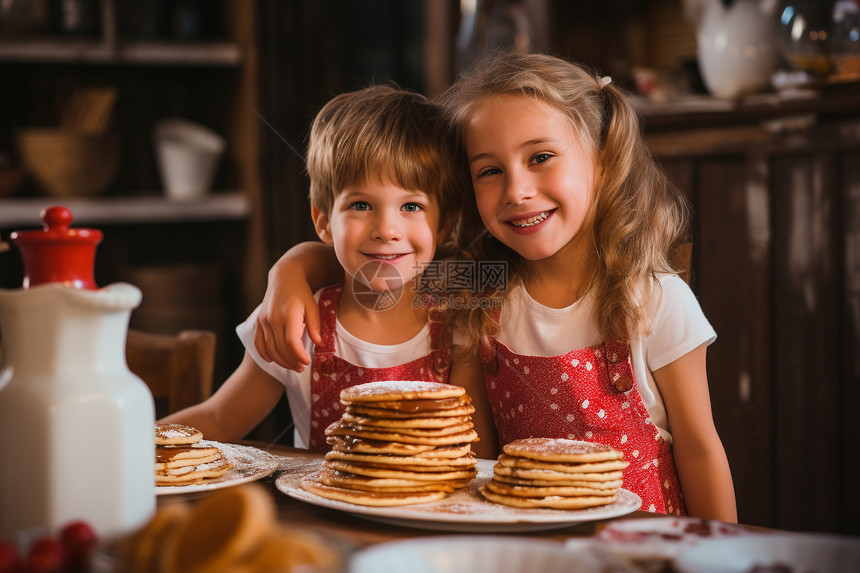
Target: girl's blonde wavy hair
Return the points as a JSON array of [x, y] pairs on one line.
[[639, 218]]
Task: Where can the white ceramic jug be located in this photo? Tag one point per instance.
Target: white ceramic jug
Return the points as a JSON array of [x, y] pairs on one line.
[[738, 48], [76, 426]]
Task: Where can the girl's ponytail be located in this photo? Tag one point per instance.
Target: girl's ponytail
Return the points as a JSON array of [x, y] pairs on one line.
[[639, 217]]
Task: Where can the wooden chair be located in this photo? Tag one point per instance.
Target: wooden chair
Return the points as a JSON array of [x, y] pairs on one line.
[[177, 368]]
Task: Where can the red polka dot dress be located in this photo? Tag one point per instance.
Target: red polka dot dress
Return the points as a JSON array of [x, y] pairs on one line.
[[588, 394]]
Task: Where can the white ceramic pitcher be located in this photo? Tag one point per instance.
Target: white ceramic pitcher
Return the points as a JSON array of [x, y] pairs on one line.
[[738, 48], [76, 426]]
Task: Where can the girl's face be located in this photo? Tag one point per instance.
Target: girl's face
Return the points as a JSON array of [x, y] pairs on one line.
[[383, 235], [533, 180]]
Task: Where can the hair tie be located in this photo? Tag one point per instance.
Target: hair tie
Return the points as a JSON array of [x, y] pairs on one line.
[[604, 81]]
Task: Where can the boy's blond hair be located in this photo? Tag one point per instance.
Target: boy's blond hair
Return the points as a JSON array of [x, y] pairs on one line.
[[381, 133]]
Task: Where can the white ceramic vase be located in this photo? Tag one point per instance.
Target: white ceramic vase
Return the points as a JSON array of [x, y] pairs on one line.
[[738, 48]]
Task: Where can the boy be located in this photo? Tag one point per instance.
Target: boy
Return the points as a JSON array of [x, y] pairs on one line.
[[383, 195]]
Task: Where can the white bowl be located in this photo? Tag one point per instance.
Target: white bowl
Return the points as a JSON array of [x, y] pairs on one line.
[[472, 554], [790, 552]]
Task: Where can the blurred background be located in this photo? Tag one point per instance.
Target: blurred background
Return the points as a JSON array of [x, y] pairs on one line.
[[178, 127]]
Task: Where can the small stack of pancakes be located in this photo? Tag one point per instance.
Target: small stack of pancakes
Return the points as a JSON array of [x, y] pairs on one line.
[[555, 473], [398, 443], [182, 459]]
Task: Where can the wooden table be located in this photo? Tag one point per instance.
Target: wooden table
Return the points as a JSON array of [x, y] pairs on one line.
[[357, 532]]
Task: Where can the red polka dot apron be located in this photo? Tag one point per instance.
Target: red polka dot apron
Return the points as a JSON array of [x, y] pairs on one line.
[[330, 374], [588, 394]]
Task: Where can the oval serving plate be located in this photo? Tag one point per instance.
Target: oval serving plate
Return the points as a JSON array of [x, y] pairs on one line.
[[465, 510]]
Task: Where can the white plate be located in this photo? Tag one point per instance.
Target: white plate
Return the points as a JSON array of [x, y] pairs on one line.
[[249, 464], [784, 552], [465, 510], [472, 554]]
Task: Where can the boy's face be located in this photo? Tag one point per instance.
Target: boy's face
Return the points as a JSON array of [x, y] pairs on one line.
[[378, 227]]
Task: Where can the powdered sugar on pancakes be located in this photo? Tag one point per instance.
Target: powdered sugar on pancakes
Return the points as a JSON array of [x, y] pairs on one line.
[[400, 390], [561, 450]]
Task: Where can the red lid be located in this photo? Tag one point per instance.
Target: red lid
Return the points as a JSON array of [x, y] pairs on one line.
[[58, 254]]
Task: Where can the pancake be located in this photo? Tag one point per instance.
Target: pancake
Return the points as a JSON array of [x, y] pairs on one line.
[[552, 502], [546, 491], [347, 443], [389, 460], [452, 451], [561, 450], [198, 474], [410, 409], [418, 475], [184, 456], [375, 499], [572, 468], [381, 435], [190, 452], [406, 423], [548, 475], [417, 432], [610, 484], [176, 434], [329, 476], [399, 390]]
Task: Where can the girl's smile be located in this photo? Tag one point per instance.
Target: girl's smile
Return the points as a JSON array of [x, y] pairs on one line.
[[529, 223], [533, 181]]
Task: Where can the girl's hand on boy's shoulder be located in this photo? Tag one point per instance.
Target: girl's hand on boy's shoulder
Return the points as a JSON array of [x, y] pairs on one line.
[[281, 323]]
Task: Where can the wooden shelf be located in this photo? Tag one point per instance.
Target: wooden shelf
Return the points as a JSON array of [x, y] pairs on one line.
[[214, 54], [24, 212], [835, 100]]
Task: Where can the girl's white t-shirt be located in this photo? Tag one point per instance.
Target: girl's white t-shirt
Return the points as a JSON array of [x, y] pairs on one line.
[[346, 346], [677, 326]]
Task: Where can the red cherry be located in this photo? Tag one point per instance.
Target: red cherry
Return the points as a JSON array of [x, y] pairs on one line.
[[9, 559], [46, 556], [78, 539]]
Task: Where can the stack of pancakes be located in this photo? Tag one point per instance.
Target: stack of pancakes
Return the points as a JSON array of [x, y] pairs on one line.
[[398, 443], [555, 473], [182, 459]]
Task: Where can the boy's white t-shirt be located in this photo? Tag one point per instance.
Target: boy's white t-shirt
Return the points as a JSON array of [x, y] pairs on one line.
[[677, 326], [348, 347]]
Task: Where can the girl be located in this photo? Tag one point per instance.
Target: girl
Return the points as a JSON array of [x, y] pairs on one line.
[[598, 339]]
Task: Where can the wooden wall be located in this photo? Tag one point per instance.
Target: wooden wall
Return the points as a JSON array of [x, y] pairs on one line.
[[777, 270]]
